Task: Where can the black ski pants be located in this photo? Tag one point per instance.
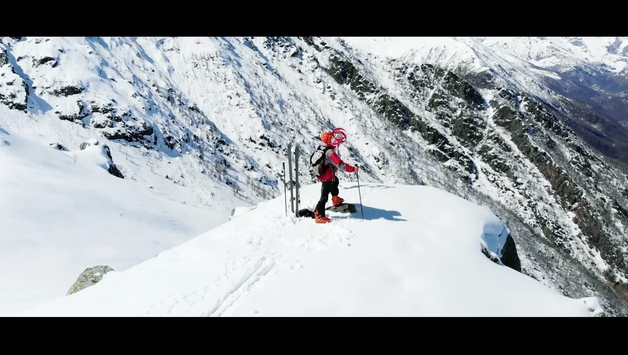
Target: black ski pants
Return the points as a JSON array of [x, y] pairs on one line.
[[327, 187]]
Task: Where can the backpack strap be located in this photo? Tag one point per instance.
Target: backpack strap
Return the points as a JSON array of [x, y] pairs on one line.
[[324, 163]]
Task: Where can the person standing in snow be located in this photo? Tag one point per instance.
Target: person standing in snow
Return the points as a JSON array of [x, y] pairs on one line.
[[327, 172]]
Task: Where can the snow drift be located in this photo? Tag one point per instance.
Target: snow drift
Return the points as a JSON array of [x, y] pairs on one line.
[[416, 253]]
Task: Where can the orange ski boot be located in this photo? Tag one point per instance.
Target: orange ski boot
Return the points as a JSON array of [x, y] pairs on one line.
[[320, 219], [337, 200]]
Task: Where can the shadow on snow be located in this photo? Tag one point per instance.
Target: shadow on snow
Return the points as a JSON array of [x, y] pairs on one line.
[[370, 213]]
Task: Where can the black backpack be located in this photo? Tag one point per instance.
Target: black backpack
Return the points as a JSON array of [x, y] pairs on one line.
[[317, 160]]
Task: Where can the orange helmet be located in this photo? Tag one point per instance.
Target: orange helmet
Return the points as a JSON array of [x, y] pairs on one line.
[[326, 137]]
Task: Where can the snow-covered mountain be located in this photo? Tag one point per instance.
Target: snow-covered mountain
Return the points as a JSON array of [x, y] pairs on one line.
[[506, 123], [585, 79]]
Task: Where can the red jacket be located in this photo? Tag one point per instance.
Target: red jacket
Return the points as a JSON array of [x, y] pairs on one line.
[[333, 161]]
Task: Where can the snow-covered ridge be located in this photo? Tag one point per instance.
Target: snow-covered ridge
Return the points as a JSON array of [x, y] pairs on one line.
[[404, 259], [550, 53]]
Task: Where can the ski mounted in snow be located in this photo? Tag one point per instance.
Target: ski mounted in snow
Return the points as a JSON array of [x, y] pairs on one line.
[[293, 178]]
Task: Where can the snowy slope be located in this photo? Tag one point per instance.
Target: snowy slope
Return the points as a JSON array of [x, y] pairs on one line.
[[61, 212], [403, 259]]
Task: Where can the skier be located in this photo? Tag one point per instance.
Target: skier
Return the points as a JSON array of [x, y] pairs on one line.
[[327, 172]]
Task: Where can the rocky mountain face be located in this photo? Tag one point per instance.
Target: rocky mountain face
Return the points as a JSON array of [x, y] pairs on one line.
[[233, 105], [583, 79]]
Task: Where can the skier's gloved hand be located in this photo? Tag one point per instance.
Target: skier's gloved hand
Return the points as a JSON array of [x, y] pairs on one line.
[[351, 168]]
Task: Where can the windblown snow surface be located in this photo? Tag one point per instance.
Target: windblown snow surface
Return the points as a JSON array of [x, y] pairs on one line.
[[61, 212], [417, 252]]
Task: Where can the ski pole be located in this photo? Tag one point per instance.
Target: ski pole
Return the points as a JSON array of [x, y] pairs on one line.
[[285, 194], [357, 175], [291, 182], [297, 153]]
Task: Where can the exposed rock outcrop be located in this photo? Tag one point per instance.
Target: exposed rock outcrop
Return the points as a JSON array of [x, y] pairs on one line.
[[89, 277], [110, 166], [58, 146]]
